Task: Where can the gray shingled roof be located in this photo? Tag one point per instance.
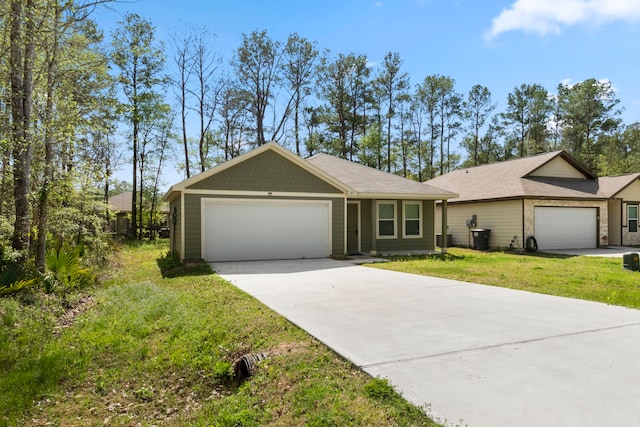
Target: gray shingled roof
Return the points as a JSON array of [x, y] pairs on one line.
[[121, 202], [612, 185], [510, 179], [373, 182]]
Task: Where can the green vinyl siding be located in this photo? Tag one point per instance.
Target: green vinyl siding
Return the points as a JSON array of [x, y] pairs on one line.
[[366, 229], [426, 242], [192, 227], [175, 237], [193, 224], [268, 171], [338, 221]]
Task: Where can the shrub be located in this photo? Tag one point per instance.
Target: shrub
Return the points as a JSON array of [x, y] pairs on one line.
[[65, 271], [12, 279]]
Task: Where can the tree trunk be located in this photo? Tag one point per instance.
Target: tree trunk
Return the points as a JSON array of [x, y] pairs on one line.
[[296, 121], [21, 70], [184, 131], [43, 207], [134, 192]]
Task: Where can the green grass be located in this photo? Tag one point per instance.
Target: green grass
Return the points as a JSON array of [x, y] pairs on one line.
[[590, 278], [157, 344]]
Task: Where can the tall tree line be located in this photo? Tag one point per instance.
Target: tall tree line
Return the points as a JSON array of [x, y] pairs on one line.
[[75, 108], [61, 118], [311, 101], [56, 103]]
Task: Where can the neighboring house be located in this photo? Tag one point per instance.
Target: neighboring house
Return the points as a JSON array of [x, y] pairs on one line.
[[120, 204], [271, 204], [551, 197]]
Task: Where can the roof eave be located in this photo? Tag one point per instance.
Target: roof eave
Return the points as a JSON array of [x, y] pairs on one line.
[[405, 196], [531, 196], [170, 195]]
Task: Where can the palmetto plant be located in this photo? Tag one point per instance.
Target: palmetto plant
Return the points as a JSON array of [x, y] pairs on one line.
[[11, 280], [63, 268]]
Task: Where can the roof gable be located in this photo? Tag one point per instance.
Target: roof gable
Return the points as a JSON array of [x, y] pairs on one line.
[[196, 182], [558, 167], [267, 171], [554, 174], [626, 186]]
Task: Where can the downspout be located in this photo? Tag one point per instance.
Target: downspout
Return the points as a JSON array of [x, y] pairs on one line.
[[344, 247], [174, 221], [524, 220], [182, 215], [443, 248], [373, 227]]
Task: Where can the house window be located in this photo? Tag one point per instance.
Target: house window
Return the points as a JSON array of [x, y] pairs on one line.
[[386, 220], [632, 218], [412, 220]]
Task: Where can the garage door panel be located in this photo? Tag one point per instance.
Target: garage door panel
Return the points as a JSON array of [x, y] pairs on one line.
[[566, 227], [237, 230]]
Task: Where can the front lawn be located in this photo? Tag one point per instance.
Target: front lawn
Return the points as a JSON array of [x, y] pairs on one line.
[[590, 278], [156, 345]]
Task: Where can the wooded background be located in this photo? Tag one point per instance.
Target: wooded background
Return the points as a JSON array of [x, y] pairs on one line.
[[77, 106]]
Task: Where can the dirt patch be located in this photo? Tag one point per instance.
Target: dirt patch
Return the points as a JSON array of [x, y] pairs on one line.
[[286, 348], [69, 316]]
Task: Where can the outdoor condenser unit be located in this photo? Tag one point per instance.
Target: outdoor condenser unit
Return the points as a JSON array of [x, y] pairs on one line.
[[631, 261]]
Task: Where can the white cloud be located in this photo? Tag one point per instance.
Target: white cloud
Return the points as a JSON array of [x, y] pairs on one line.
[[378, 4], [549, 16], [568, 82]]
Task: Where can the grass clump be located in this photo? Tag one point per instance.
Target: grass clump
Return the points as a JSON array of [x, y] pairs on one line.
[[151, 348], [380, 389]]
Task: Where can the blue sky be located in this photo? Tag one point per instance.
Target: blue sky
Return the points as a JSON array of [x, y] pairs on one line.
[[499, 44]]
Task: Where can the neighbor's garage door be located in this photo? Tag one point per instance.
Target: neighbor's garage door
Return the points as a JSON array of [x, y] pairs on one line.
[[566, 228], [243, 229]]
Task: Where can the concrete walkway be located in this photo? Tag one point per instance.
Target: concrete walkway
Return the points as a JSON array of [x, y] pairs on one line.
[[469, 354]]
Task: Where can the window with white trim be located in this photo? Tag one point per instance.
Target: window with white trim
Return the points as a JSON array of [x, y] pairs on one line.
[[386, 217], [412, 220], [632, 218]]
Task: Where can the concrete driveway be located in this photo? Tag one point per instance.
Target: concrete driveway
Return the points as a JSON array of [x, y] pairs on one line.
[[605, 251], [469, 354]]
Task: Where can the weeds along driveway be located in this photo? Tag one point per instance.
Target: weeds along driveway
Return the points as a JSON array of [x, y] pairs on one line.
[[470, 354]]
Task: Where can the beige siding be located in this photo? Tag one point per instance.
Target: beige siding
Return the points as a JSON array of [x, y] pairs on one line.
[[558, 168], [615, 222], [631, 193], [603, 233], [628, 238], [503, 218], [268, 171]]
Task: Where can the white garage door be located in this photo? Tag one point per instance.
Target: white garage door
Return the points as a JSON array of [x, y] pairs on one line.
[[243, 229], [566, 228]]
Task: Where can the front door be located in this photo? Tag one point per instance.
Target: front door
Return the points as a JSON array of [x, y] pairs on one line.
[[353, 237]]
